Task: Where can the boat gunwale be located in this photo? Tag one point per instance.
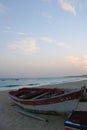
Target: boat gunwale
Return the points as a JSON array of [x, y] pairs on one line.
[[54, 97]]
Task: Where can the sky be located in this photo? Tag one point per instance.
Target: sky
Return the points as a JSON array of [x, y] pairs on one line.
[[43, 38]]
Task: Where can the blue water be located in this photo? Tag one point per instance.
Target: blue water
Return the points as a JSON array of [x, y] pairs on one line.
[[12, 83]]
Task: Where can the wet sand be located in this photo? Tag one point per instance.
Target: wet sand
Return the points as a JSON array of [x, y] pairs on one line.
[[11, 120]]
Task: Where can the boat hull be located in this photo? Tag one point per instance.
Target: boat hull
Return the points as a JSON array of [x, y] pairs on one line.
[[62, 107]]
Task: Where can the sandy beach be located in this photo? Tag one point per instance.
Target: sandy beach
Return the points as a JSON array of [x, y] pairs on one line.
[[11, 120]]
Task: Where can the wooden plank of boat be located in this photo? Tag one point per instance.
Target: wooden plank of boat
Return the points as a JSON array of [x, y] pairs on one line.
[[39, 96], [31, 115]]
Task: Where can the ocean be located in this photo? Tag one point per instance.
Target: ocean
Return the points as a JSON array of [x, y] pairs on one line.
[[13, 83]]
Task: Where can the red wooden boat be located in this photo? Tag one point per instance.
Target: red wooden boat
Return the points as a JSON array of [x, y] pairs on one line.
[[48, 100], [77, 120]]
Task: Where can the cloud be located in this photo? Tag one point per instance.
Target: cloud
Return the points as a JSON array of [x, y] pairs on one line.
[[73, 59], [47, 39], [7, 29], [3, 8], [21, 33], [50, 40], [25, 46], [48, 1], [61, 44], [79, 61], [45, 14], [68, 5], [48, 17]]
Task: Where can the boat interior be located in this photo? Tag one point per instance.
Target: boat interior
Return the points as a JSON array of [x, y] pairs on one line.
[[37, 94]]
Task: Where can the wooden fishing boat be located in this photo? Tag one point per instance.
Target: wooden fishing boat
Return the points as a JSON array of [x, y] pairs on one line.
[[47, 100], [77, 120]]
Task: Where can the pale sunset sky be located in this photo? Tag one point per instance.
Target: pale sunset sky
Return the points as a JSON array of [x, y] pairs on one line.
[[43, 38]]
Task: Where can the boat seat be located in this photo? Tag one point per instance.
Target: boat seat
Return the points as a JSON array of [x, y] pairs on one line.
[[29, 95], [39, 96]]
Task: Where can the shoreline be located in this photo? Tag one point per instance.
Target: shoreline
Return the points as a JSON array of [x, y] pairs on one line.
[[74, 84], [11, 120]]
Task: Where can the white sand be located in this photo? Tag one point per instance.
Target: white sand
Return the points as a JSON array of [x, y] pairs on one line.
[[11, 120]]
